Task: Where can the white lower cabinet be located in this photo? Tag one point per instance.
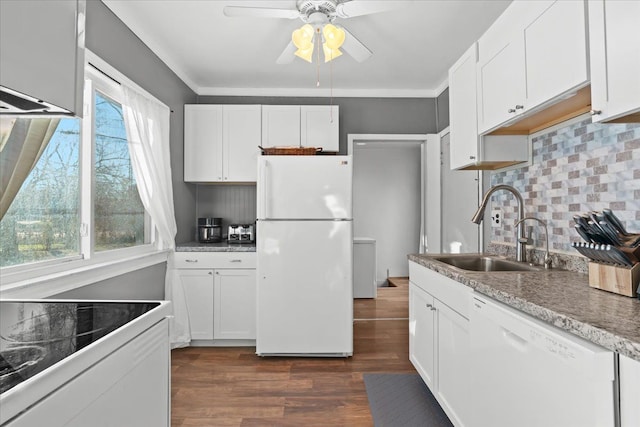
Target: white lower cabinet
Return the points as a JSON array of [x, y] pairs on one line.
[[629, 391], [221, 301], [234, 301], [198, 293], [439, 339]]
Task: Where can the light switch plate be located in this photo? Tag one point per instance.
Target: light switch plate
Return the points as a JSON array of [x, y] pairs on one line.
[[496, 217]]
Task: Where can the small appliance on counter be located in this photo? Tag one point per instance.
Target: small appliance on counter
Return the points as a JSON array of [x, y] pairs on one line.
[[241, 233], [209, 230], [613, 252]]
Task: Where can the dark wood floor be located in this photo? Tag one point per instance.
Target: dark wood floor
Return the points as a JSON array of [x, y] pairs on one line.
[[234, 387]]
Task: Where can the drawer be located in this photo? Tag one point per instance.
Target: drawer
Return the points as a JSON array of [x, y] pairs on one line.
[[215, 260]]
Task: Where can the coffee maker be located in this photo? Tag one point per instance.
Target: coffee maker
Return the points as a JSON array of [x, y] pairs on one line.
[[209, 230]]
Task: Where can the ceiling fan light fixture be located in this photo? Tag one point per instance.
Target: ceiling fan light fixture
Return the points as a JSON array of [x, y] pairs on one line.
[[303, 37], [330, 54], [333, 36], [306, 54]]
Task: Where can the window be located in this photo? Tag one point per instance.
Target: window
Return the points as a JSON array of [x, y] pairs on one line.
[[42, 222], [118, 212], [81, 199]]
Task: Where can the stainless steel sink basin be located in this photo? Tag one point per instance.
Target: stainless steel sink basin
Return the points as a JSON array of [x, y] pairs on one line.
[[480, 262]]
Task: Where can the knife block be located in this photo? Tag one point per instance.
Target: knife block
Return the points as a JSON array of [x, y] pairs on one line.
[[616, 279]]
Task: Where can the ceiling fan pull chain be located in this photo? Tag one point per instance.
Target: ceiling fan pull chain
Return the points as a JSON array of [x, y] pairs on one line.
[[317, 41], [331, 91]]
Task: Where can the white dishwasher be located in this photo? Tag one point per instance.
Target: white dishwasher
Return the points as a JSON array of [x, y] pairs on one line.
[[528, 373]]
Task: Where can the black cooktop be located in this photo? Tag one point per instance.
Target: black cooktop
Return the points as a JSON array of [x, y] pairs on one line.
[[36, 335]]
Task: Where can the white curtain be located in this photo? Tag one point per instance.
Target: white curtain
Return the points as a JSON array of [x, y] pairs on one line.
[[147, 123]]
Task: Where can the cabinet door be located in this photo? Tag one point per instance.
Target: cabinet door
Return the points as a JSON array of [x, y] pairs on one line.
[[235, 304], [42, 45], [319, 127], [629, 392], [453, 363], [280, 125], [422, 334], [501, 84], [242, 134], [614, 37], [556, 52], [203, 143], [462, 110], [198, 293]]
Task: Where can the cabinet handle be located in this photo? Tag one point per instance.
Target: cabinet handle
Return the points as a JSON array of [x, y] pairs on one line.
[[595, 112], [511, 110], [210, 274], [236, 260], [519, 107], [433, 308], [191, 260], [429, 305], [472, 157]]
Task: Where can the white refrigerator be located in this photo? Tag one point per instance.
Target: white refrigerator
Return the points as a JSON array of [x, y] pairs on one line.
[[305, 256]]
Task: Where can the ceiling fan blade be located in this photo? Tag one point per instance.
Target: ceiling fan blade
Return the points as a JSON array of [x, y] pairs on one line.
[[287, 55], [355, 48], [260, 12], [352, 8]]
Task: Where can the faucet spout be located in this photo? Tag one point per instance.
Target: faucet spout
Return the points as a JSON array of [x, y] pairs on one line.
[[547, 256], [521, 237]]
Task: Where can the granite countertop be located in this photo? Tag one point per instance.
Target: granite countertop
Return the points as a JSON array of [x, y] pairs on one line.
[[561, 298], [216, 247]]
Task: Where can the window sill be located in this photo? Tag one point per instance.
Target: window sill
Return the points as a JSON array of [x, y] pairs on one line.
[[79, 273]]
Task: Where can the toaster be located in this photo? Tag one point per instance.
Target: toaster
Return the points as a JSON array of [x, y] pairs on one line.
[[241, 233]]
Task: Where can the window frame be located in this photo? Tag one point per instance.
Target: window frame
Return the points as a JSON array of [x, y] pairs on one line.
[[50, 277]]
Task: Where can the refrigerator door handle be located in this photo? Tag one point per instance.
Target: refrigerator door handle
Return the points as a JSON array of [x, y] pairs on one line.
[[265, 186]]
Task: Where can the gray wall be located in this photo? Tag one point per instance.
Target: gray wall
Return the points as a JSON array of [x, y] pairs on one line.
[[359, 115], [442, 104], [111, 40]]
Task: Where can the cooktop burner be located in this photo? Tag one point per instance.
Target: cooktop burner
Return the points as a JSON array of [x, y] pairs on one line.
[[36, 335]]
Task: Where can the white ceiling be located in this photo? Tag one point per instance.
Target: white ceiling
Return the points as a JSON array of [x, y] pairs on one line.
[[413, 46]]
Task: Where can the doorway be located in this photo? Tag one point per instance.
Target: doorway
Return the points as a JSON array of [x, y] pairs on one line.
[[388, 188]]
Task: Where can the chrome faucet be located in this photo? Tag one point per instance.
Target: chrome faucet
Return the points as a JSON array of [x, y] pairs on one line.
[[547, 257], [521, 238]]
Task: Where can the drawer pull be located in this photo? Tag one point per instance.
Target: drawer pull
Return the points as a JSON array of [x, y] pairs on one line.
[[236, 260], [191, 260]]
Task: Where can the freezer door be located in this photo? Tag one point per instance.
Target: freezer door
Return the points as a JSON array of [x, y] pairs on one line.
[[304, 187], [305, 288]]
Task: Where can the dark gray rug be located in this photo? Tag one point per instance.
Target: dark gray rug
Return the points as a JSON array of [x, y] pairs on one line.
[[402, 400]]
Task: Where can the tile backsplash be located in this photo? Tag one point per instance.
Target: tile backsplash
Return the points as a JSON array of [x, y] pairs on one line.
[[578, 168]]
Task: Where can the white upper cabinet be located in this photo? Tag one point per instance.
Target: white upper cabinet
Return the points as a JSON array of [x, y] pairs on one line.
[[467, 149], [221, 142], [556, 52], [280, 125], [242, 135], [202, 143], [462, 109], [319, 127], [614, 40], [301, 126], [535, 52], [42, 45]]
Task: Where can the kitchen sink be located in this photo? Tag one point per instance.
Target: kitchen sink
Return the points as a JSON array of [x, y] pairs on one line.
[[479, 262]]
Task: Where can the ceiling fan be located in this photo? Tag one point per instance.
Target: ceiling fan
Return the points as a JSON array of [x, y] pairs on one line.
[[318, 16]]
